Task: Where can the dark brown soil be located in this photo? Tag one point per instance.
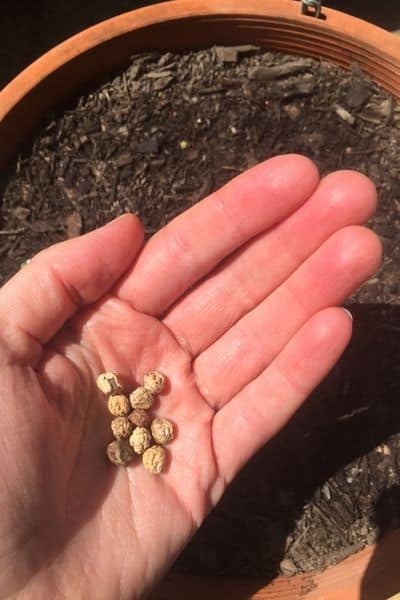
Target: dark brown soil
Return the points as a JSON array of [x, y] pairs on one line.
[[155, 140]]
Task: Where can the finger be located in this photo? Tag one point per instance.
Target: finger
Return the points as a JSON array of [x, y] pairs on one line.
[[338, 267], [246, 278], [261, 409], [38, 300], [196, 241]]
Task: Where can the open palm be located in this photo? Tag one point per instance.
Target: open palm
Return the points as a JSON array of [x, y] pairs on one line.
[[233, 301]]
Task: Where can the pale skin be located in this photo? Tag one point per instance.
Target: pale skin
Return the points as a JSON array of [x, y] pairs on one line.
[[237, 302]]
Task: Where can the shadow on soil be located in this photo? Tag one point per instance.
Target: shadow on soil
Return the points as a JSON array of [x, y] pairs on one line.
[[356, 408]]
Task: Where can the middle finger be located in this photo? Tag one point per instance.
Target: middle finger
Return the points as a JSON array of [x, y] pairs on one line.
[[243, 280]]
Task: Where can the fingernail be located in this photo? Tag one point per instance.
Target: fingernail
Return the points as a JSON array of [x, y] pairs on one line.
[[348, 312]]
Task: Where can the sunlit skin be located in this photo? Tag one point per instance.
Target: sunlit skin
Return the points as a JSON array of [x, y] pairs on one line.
[[236, 301]]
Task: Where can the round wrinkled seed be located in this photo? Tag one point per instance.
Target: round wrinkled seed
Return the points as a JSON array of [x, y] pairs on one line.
[[121, 427], [108, 383], [140, 440], [119, 452], [139, 417], [119, 405], [154, 459], [162, 430], [141, 398], [154, 382]]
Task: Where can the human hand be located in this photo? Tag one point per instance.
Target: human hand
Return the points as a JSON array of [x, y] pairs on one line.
[[234, 301]]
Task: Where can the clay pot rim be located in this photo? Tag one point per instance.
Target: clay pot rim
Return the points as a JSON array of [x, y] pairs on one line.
[[336, 23]]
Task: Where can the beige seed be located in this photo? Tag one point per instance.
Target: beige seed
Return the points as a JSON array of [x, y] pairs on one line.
[[162, 430], [141, 398], [108, 383], [154, 459], [154, 382], [121, 427], [139, 417], [140, 440], [119, 452], [119, 405]]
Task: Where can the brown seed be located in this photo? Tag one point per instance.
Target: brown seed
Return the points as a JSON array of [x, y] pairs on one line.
[[119, 452], [139, 417], [108, 383], [162, 430], [154, 382], [141, 398], [154, 459], [140, 440], [119, 405], [121, 427]]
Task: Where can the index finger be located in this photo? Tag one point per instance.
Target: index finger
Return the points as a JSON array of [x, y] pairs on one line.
[[191, 245]]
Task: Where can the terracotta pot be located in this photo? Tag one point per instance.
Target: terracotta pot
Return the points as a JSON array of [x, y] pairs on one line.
[[277, 24]]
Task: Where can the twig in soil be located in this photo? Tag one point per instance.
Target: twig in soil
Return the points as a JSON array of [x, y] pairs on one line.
[[359, 152], [275, 72], [230, 168], [353, 413], [125, 83], [367, 119], [12, 231], [215, 89], [389, 115], [344, 114], [327, 518], [297, 541]]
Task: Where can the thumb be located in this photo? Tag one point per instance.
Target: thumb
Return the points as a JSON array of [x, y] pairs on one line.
[[38, 300]]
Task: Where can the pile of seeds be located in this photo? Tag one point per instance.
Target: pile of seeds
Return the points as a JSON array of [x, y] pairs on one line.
[[134, 430]]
